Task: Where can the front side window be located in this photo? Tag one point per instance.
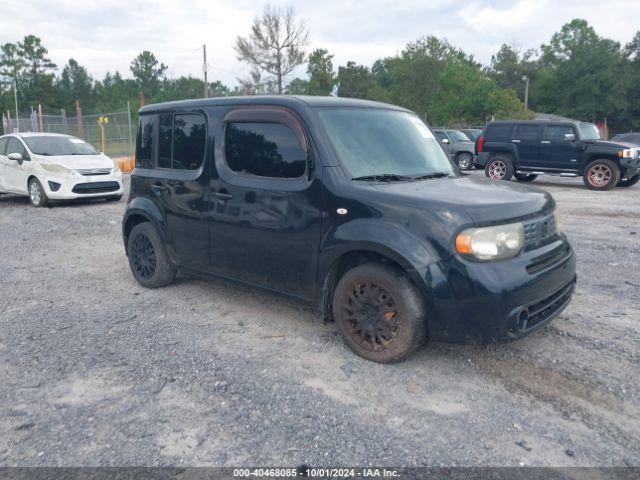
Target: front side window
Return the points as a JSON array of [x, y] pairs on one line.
[[16, 146], [3, 145], [264, 149], [556, 133], [182, 141], [144, 141], [528, 132], [374, 142], [441, 135], [458, 136]]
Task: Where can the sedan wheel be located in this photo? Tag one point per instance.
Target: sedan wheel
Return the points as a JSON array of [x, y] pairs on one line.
[[464, 161], [36, 194]]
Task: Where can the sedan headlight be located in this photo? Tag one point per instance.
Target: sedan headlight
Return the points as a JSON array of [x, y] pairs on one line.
[[55, 168], [491, 243]]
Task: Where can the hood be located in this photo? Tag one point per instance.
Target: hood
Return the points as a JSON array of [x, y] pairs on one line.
[[612, 144], [484, 201], [75, 162]]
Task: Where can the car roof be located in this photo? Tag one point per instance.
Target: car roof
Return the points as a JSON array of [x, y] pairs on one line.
[[37, 134], [535, 122], [275, 100]]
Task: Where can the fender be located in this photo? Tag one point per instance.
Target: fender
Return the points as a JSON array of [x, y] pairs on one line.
[[591, 154], [510, 148], [144, 207]]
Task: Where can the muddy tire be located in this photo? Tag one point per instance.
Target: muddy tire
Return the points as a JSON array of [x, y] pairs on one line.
[[629, 181], [601, 175], [499, 167], [148, 258], [379, 313]]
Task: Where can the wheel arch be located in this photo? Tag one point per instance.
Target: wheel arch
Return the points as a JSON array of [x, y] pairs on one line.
[[142, 210]]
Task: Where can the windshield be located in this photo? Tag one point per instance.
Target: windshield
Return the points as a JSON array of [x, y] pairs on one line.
[[53, 145], [383, 142], [458, 136], [588, 131]]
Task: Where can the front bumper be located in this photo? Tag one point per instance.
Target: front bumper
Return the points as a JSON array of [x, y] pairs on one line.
[[631, 165], [80, 186], [473, 302]]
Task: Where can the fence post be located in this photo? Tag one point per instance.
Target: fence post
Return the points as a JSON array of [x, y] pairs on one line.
[[79, 119], [65, 126], [40, 115], [130, 131]]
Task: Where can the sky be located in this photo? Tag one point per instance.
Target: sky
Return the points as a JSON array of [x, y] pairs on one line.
[[105, 35]]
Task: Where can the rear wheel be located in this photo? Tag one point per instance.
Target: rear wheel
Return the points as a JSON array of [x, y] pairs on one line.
[[37, 194], [601, 175], [148, 258], [499, 168], [629, 181], [464, 161], [379, 313], [525, 177]]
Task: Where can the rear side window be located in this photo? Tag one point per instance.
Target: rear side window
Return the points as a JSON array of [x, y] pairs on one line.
[[3, 145], [182, 141], [499, 132], [144, 141], [556, 133], [264, 149], [528, 132]]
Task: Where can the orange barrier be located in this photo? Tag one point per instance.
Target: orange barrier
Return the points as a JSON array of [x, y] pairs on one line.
[[126, 164]]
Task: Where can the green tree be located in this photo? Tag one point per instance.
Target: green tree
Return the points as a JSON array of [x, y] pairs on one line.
[[75, 83], [11, 69], [297, 86], [38, 74], [321, 75], [275, 46], [357, 81], [148, 73], [509, 65]]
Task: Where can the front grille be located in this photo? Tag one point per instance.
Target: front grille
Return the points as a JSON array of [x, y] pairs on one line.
[[539, 231], [544, 309], [96, 187], [89, 172], [550, 259]]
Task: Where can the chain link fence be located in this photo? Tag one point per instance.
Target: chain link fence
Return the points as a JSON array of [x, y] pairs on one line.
[[111, 133]]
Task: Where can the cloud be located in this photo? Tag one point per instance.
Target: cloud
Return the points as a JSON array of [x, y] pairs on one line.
[[106, 35]]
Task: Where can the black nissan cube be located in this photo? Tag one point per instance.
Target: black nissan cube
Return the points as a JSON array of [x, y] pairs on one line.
[[349, 205]]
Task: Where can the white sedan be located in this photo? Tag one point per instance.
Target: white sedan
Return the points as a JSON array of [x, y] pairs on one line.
[[49, 166]]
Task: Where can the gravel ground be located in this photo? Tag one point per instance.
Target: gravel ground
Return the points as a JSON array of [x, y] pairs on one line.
[[98, 371]]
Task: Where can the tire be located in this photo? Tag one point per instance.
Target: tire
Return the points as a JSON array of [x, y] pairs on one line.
[[464, 160], [148, 258], [601, 175], [385, 327], [499, 168], [525, 177], [629, 181], [37, 195]]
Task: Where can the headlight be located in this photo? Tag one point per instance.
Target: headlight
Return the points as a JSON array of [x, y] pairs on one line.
[[116, 166], [491, 243], [55, 168], [627, 153]]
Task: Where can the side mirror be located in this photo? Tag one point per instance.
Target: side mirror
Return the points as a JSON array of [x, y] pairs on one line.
[[569, 137], [15, 156], [445, 140]]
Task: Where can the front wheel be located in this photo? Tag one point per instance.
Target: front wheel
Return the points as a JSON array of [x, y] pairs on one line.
[[601, 175], [629, 181], [379, 313], [525, 177], [464, 161], [499, 168], [148, 258], [37, 194]]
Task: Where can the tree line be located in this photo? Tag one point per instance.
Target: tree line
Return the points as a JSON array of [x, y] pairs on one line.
[[578, 74]]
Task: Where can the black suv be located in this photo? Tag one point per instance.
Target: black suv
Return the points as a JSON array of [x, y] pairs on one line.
[[526, 149], [351, 206]]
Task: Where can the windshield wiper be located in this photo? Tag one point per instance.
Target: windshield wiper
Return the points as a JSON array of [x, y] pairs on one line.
[[426, 176], [384, 177]]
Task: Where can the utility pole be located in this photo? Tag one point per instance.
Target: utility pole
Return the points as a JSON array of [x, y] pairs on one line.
[[204, 67], [525, 79], [15, 97]]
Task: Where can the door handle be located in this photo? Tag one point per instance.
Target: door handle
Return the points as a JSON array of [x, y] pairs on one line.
[[515, 141], [222, 196], [545, 141], [158, 189]]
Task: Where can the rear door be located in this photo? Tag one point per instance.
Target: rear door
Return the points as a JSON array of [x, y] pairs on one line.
[[527, 137], [17, 172], [561, 150], [268, 201]]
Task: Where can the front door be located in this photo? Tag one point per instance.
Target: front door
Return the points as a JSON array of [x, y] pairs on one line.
[[527, 138], [16, 173], [265, 227], [560, 148], [3, 161]]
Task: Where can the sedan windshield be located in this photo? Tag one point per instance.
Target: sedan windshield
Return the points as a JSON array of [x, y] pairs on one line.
[[588, 131], [51, 145], [384, 144], [458, 136]]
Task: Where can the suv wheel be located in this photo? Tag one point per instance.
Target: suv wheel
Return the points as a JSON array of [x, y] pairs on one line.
[[499, 168], [525, 177], [37, 194], [464, 161], [601, 175], [629, 181], [148, 258], [379, 313]]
